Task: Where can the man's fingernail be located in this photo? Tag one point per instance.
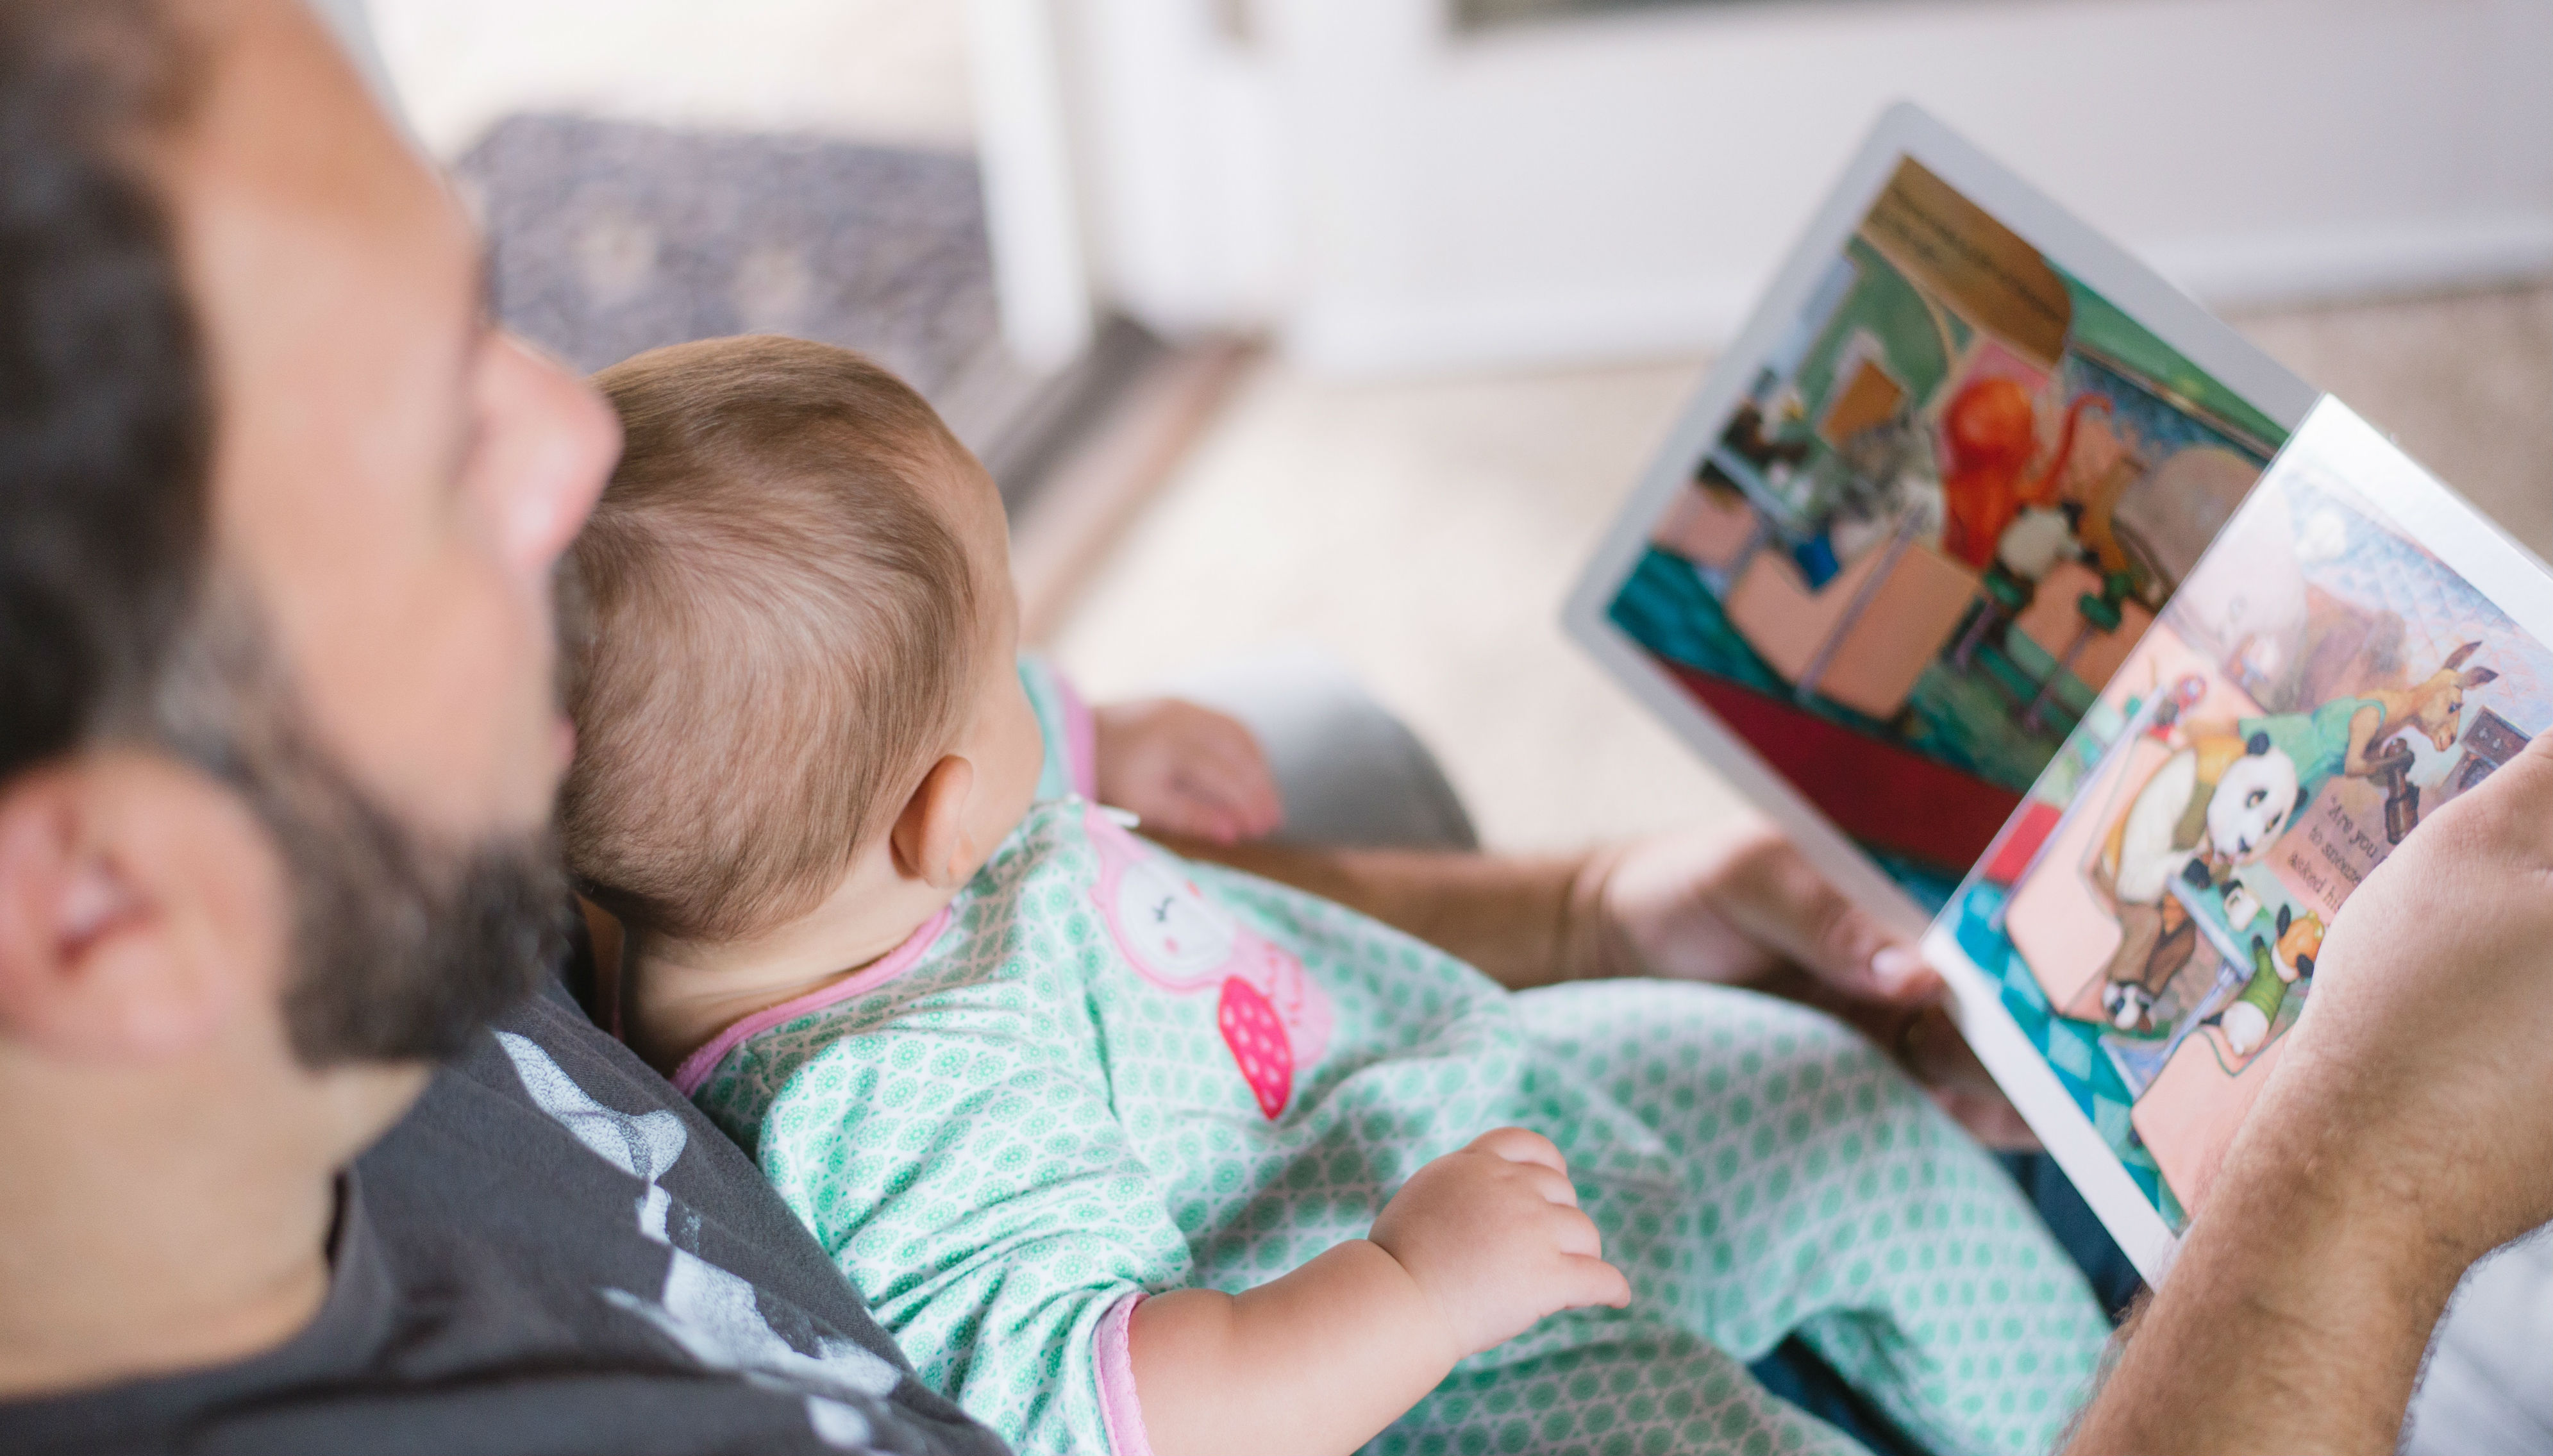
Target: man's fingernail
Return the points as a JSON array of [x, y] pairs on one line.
[[1894, 965]]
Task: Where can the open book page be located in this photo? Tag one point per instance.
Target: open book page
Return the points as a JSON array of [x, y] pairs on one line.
[[2356, 649], [1940, 510]]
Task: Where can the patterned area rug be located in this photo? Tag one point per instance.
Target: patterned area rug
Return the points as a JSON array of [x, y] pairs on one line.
[[609, 238]]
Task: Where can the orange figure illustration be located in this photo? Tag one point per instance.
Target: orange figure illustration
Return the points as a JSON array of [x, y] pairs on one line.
[[1992, 429]]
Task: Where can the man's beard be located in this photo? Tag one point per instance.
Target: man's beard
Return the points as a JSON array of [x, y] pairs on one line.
[[401, 948], [401, 951]]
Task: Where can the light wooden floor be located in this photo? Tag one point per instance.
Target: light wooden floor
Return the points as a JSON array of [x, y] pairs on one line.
[[1426, 532]]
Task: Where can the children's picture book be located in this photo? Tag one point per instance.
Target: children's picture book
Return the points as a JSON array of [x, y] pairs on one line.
[[2061, 626]]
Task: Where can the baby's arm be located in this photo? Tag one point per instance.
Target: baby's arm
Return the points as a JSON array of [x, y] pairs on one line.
[[1474, 1249], [1184, 769]]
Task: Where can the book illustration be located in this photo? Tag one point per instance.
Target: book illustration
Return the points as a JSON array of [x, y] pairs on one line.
[[2153, 914], [1956, 495]]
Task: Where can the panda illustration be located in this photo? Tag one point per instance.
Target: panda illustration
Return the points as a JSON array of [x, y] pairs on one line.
[[2217, 803]]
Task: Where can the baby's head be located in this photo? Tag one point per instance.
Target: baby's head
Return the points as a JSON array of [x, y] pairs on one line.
[[795, 683]]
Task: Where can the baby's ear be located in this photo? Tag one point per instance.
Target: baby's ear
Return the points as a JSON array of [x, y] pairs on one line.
[[928, 839]]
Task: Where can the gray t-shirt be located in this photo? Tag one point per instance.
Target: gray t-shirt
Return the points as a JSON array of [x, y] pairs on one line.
[[553, 1252]]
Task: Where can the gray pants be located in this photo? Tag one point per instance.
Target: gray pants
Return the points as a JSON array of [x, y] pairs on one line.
[[1350, 773]]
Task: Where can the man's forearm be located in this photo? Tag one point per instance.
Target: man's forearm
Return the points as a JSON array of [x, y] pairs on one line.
[[2295, 1318], [1523, 920]]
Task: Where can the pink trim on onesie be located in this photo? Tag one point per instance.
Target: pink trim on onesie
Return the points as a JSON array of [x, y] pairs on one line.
[[1080, 739], [1112, 1347], [696, 1069]]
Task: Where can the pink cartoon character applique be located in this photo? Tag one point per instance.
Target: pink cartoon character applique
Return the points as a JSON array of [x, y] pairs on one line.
[[1273, 1016]]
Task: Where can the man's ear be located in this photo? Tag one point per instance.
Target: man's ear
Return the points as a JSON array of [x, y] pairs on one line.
[[92, 963], [929, 837]]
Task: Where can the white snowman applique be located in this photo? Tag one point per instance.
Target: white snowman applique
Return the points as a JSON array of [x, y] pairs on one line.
[[1273, 1016]]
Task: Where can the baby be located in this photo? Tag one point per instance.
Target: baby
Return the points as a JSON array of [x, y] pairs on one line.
[[1139, 1154]]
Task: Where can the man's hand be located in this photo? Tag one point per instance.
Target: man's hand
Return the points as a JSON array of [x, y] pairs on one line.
[[1185, 769], [1750, 911], [2427, 1041], [2407, 1129], [1493, 1235], [1716, 907]]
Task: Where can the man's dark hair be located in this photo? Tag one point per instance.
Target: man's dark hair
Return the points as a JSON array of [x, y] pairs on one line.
[[116, 623], [105, 424]]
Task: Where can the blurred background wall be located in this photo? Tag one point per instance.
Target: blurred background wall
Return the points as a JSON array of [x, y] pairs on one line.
[[1402, 185]]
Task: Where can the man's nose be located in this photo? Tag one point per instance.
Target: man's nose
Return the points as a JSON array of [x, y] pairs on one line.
[[571, 440]]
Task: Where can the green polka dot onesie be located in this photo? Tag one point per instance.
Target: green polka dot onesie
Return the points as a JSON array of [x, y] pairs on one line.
[[1105, 1072]]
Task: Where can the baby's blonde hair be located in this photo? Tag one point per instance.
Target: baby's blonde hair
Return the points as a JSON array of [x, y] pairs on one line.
[[779, 634]]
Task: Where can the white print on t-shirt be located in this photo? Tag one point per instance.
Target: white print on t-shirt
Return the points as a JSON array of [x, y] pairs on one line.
[[710, 1313]]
